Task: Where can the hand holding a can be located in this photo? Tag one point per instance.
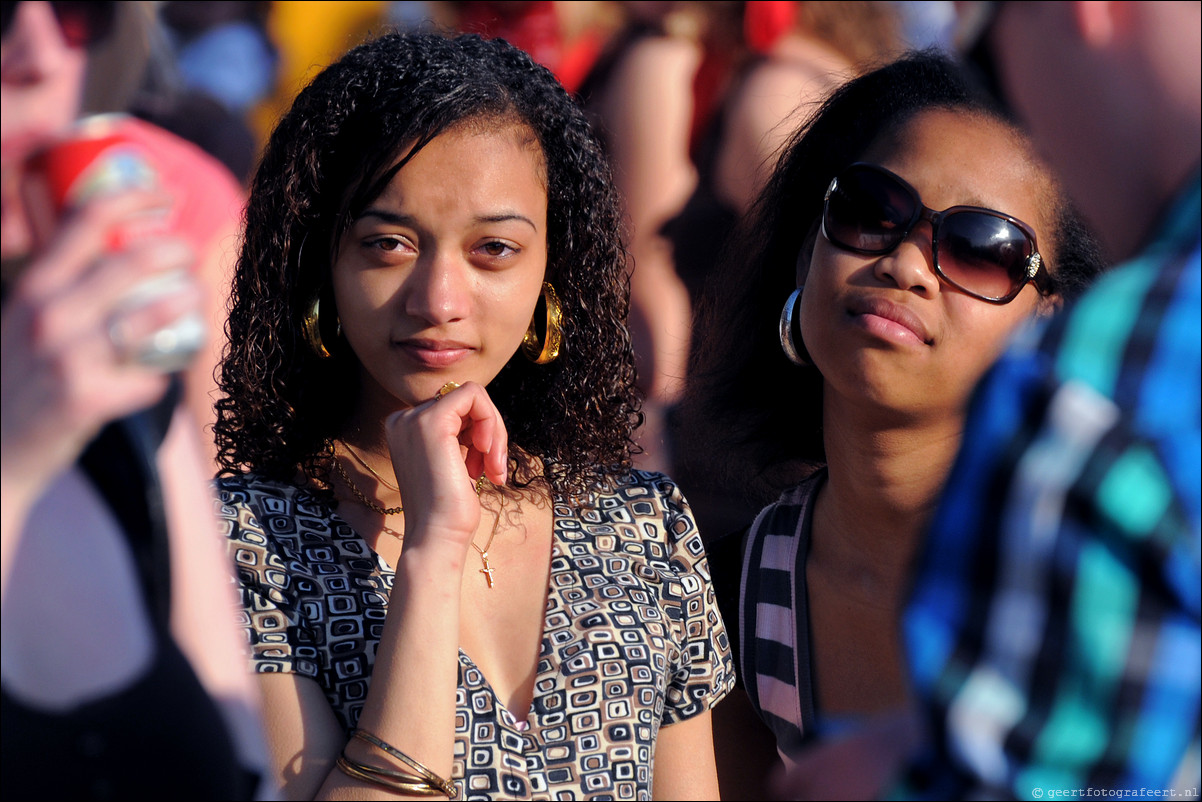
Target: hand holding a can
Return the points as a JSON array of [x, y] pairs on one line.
[[78, 333], [99, 157]]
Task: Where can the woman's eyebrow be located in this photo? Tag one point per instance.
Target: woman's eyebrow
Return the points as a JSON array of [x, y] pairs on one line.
[[504, 217], [396, 219], [386, 216]]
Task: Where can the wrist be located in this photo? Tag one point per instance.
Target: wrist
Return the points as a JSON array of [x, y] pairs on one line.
[[22, 485], [431, 562]]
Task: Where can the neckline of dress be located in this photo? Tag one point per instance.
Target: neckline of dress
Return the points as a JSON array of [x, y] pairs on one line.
[[506, 715]]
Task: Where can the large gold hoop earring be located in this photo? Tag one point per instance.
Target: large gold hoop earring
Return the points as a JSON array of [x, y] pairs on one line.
[[312, 329], [548, 349], [311, 323], [790, 330]]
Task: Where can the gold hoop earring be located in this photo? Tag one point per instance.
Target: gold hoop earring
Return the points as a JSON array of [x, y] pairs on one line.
[[548, 349], [790, 330], [311, 324], [312, 329]]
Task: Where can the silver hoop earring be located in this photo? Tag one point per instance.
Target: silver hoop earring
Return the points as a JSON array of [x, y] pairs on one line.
[[790, 330]]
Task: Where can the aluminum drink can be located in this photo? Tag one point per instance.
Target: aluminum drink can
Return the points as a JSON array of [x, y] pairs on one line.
[[93, 158], [96, 157]]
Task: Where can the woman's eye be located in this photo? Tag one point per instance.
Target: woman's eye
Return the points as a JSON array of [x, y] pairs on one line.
[[496, 248], [387, 244]]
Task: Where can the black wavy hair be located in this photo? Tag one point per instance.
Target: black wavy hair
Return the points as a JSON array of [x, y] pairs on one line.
[[745, 400], [327, 159]]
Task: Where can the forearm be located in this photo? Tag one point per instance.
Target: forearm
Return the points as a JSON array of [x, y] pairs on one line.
[[411, 701], [202, 590], [18, 498]]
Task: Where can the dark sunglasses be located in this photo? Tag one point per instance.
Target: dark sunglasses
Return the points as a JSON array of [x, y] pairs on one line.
[[981, 252], [82, 22]]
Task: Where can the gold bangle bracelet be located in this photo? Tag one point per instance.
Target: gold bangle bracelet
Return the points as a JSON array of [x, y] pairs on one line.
[[445, 786], [389, 774], [393, 780]]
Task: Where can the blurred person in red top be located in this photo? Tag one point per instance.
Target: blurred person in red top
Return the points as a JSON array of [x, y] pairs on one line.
[[120, 665], [70, 59], [566, 38]]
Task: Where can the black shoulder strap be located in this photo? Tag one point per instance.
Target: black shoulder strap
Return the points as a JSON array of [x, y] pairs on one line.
[[120, 463]]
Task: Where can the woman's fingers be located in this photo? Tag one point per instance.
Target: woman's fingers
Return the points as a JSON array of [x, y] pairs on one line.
[[80, 328], [487, 441], [56, 398], [83, 236], [123, 296], [442, 446], [481, 431]]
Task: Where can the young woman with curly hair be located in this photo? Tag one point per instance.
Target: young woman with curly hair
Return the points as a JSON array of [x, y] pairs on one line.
[[453, 581]]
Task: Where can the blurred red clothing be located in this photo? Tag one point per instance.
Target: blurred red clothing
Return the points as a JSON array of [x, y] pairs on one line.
[[535, 27]]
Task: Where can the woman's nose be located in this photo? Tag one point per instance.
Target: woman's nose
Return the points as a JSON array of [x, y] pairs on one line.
[[911, 265], [439, 288], [34, 44]]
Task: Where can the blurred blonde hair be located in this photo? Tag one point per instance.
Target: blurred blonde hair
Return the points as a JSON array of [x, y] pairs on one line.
[[117, 65], [865, 33]]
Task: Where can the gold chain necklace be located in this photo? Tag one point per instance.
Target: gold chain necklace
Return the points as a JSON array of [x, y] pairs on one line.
[[487, 570], [363, 499], [370, 469], [478, 485]]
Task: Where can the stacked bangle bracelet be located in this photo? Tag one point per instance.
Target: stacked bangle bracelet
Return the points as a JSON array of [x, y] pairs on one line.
[[422, 783], [393, 780]]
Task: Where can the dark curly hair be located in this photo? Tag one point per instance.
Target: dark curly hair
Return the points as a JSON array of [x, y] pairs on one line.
[[328, 158], [745, 400]]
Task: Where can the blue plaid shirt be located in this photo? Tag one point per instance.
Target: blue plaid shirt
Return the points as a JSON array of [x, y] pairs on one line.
[[1053, 628]]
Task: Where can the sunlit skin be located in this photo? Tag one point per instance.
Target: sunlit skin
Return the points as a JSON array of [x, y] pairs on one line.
[[438, 278], [884, 330]]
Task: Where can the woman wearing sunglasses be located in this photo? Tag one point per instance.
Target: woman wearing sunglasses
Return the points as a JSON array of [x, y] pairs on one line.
[[906, 233]]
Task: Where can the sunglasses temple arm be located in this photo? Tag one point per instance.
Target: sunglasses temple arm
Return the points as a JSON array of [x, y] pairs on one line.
[[1043, 279]]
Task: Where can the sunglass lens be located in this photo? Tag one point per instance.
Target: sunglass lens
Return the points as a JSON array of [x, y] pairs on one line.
[[867, 211], [84, 22], [983, 254], [81, 22]]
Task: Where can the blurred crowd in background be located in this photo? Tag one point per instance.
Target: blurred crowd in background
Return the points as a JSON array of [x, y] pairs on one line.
[[692, 99], [252, 57]]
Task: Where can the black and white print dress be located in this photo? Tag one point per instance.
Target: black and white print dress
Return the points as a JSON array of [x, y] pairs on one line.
[[632, 637]]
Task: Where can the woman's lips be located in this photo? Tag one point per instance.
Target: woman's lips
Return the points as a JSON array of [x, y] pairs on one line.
[[889, 320], [434, 353]]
